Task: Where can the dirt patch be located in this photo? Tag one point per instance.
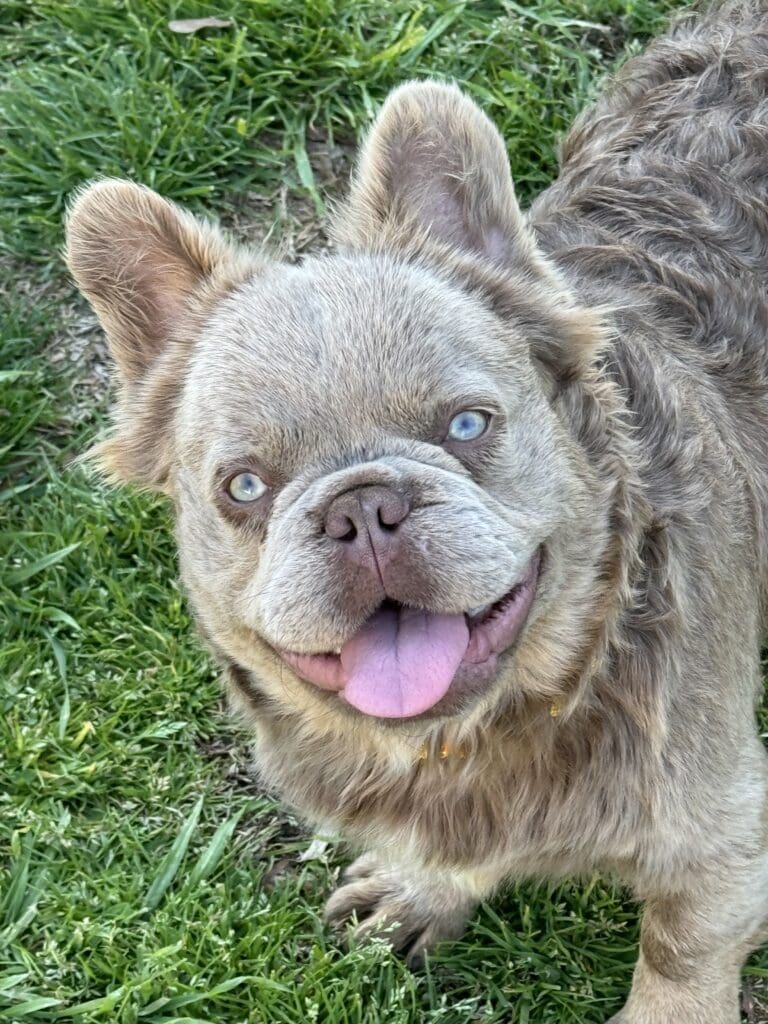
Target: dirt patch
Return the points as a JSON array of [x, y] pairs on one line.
[[286, 223], [231, 753], [754, 1001], [78, 348], [75, 350], [275, 836]]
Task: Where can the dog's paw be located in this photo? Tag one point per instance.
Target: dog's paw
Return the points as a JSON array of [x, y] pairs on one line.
[[409, 912]]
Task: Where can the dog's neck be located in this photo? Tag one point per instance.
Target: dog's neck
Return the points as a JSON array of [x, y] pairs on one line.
[[595, 411]]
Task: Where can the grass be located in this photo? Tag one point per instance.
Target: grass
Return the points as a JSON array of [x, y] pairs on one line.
[[143, 879]]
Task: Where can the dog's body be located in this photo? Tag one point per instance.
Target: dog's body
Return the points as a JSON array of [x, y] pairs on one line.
[[615, 347]]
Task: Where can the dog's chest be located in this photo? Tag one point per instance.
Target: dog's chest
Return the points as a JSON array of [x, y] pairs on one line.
[[532, 816]]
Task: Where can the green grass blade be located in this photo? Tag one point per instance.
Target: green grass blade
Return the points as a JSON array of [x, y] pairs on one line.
[[12, 980], [10, 492], [25, 572], [433, 33], [306, 174], [105, 1004], [59, 615], [172, 860], [176, 1002], [16, 893], [180, 1020], [214, 851], [10, 376], [29, 1007]]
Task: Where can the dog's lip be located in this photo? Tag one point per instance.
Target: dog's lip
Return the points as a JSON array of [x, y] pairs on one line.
[[493, 630], [496, 628]]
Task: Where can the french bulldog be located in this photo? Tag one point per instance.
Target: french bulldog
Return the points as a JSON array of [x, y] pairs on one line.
[[474, 510]]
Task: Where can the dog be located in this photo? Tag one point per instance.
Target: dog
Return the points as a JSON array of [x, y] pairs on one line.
[[474, 511]]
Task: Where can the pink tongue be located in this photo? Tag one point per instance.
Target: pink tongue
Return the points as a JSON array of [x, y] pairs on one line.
[[403, 661]]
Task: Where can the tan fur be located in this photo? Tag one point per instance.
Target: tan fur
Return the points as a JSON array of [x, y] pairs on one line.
[[620, 329], [152, 274]]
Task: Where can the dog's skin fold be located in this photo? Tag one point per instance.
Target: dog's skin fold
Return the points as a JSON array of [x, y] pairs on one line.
[[615, 339]]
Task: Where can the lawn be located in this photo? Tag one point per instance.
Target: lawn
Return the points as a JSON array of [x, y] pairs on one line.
[[144, 877]]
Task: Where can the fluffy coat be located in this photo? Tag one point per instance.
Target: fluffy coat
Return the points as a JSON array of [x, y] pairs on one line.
[[619, 331]]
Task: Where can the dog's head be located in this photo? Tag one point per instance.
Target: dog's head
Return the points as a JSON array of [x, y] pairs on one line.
[[378, 504]]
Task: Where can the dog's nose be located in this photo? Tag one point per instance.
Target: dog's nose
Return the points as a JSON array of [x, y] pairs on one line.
[[366, 521]]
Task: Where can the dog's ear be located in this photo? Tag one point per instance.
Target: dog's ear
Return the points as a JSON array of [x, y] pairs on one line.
[[152, 274], [148, 268], [433, 180], [433, 162]]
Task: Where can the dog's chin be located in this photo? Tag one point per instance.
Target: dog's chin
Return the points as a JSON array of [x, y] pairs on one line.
[[406, 664]]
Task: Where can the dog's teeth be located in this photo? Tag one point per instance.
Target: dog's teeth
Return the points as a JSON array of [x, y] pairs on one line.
[[337, 650], [474, 612]]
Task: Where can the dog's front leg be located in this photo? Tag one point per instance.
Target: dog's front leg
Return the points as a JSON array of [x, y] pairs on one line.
[[693, 944], [413, 907]]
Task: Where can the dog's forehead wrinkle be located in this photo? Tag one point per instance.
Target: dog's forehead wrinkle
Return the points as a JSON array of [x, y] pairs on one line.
[[343, 314]]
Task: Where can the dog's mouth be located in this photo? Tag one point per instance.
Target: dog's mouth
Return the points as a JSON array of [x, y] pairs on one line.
[[402, 661]]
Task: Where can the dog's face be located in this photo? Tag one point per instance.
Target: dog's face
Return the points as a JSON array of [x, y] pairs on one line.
[[376, 500], [367, 470]]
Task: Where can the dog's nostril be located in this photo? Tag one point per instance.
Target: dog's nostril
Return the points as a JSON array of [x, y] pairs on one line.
[[350, 534], [387, 525], [340, 526], [391, 510]]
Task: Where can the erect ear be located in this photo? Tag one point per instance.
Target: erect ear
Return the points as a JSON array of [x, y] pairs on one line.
[[433, 181], [434, 163], [152, 274]]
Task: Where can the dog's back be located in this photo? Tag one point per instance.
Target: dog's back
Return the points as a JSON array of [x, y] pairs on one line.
[[661, 211]]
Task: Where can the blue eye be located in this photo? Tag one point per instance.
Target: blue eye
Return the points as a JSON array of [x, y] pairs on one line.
[[468, 425], [246, 487]]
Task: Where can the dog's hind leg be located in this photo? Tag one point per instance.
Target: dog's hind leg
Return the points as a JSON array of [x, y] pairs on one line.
[[694, 941]]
